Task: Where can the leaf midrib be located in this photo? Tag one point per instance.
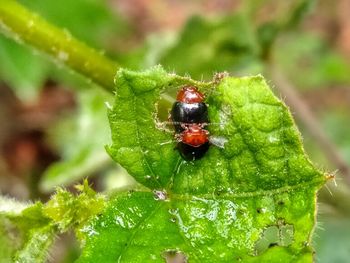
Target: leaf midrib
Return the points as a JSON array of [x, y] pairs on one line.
[[227, 196]]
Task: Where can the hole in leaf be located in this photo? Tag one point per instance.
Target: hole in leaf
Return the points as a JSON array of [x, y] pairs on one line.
[[159, 195], [165, 103], [269, 236], [273, 245], [174, 256], [279, 235], [162, 110], [280, 202]]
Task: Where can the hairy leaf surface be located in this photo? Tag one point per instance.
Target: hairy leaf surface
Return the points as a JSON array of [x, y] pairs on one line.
[[252, 200]]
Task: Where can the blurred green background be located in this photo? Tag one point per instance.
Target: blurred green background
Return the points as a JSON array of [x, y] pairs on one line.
[[54, 123]]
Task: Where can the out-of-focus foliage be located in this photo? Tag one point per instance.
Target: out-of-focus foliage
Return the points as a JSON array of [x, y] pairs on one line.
[[88, 130], [91, 21], [205, 47], [238, 43], [31, 229], [333, 122], [29, 232], [332, 240], [95, 23], [310, 62]]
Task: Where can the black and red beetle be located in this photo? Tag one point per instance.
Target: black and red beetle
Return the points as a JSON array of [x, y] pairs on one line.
[[189, 116]]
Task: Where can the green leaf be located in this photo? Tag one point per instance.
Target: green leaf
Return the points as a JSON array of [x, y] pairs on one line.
[[252, 200]]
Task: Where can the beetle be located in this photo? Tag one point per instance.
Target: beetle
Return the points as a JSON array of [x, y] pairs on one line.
[[189, 116]]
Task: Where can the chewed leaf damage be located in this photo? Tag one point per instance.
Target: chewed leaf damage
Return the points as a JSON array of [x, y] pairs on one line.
[[251, 200]]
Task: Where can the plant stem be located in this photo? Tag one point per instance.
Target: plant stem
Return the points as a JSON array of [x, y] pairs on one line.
[[24, 26]]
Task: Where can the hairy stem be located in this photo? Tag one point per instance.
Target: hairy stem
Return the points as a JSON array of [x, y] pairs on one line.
[[24, 26]]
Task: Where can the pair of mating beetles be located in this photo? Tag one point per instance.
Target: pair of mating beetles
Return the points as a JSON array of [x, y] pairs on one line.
[[189, 116]]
